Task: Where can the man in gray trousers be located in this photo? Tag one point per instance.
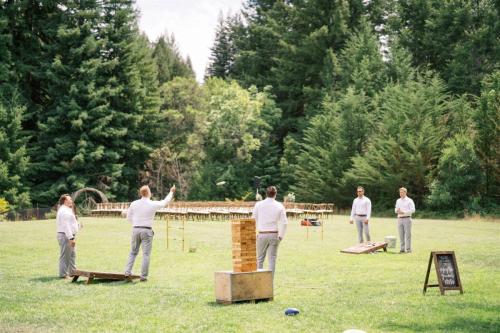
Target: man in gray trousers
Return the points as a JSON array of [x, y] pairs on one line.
[[67, 228], [271, 223], [404, 208], [141, 214], [360, 213]]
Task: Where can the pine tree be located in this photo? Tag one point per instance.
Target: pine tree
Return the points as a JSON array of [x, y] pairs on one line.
[[100, 124], [330, 142], [14, 162], [169, 61], [459, 178], [406, 146], [487, 119], [224, 50], [360, 63], [457, 38]]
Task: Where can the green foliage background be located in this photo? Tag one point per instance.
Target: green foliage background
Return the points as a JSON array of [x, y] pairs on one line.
[[315, 97]]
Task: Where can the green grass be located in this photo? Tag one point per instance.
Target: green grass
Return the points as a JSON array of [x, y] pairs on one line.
[[334, 291]]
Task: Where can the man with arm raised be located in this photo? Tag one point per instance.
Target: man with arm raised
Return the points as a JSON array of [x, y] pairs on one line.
[[141, 214]]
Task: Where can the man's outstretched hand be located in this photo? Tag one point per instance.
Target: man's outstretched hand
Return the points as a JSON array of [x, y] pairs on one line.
[[172, 189]]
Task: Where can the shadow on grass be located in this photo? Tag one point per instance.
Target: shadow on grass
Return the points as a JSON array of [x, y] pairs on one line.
[[47, 279], [456, 324], [214, 304], [105, 282]]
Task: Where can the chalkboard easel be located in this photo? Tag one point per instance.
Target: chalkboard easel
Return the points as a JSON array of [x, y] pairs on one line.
[[446, 270]]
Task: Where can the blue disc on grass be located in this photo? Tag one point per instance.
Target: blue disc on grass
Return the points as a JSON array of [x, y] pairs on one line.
[[292, 312]]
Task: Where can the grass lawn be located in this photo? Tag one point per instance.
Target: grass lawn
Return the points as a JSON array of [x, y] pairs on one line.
[[334, 291]]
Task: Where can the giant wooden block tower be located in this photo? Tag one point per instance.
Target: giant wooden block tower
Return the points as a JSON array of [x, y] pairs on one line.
[[245, 282], [244, 249]]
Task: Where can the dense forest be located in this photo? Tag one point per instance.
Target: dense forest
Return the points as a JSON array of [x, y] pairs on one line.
[[314, 96]]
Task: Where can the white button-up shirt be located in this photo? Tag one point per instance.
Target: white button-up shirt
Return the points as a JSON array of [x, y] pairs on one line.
[[406, 205], [361, 206], [142, 212], [66, 221], [270, 215]]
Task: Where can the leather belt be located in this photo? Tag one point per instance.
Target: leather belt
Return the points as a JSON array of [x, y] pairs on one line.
[[144, 228], [268, 232], [402, 217], [361, 215]]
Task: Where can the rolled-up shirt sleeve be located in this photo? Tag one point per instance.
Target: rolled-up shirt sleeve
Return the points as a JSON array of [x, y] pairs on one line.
[[352, 209], [164, 202]]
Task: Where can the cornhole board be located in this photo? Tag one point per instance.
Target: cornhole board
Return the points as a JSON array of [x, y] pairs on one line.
[[101, 275], [367, 247]]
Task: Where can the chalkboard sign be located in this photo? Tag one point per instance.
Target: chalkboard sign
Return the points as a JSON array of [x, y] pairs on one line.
[[446, 270]]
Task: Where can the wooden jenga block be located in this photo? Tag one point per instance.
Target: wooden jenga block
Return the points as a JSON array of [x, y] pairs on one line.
[[244, 245]]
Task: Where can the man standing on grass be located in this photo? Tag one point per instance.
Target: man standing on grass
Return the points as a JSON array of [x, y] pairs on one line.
[[141, 214], [360, 213], [67, 228], [404, 208], [271, 222]]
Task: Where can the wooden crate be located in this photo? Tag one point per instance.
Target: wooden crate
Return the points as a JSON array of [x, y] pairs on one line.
[[244, 245], [231, 287]]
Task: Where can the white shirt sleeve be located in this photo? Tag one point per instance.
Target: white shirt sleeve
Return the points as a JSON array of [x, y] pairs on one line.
[[164, 202], [396, 208], [368, 208], [282, 224], [66, 220], [130, 213], [254, 212], [411, 207], [352, 210]]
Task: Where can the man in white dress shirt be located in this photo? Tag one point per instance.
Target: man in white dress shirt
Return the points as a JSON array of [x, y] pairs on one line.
[[67, 228], [404, 208], [360, 213], [141, 214], [271, 223]]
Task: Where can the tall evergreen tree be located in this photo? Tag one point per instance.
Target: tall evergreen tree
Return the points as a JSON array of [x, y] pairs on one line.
[[487, 122], [169, 61], [406, 146], [224, 50], [360, 63], [457, 38], [14, 162], [459, 179], [33, 26], [99, 125], [332, 139]]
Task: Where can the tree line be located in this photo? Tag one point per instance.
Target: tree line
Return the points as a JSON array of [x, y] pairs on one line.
[[314, 96]]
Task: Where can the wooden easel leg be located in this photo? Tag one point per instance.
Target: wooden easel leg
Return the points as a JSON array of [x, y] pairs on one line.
[[427, 275]]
